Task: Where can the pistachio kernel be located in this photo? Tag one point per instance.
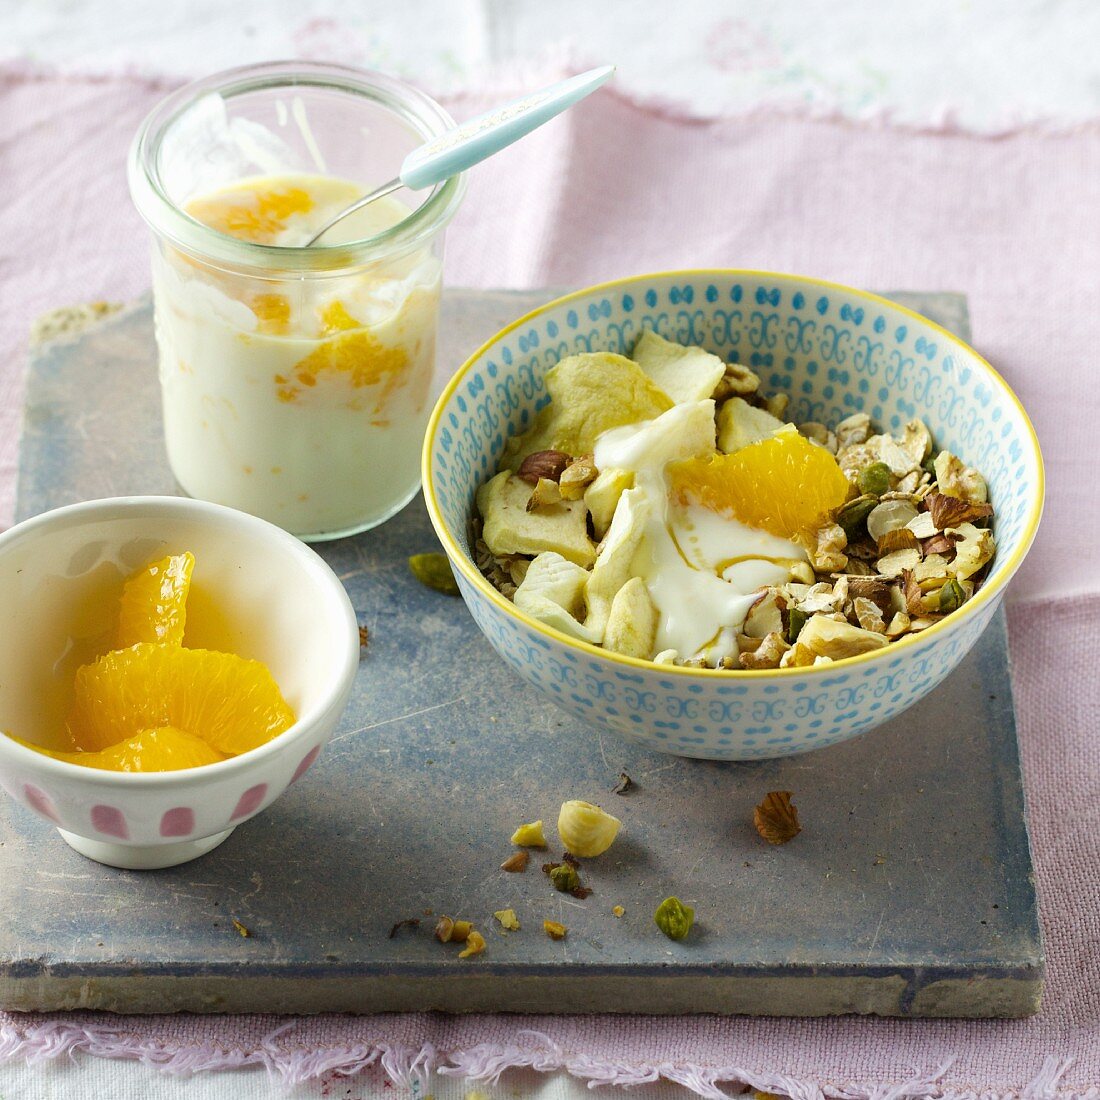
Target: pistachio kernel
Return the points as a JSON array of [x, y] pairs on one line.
[[674, 918], [795, 622], [434, 571], [875, 479], [564, 877], [854, 513], [952, 596]]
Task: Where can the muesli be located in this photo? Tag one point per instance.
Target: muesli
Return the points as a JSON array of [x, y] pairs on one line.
[[663, 508]]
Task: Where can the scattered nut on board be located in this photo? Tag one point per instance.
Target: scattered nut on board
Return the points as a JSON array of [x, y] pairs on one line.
[[475, 944], [516, 862], [530, 835], [585, 829], [507, 919], [776, 818]]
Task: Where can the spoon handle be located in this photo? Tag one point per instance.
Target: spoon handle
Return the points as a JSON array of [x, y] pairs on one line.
[[481, 137]]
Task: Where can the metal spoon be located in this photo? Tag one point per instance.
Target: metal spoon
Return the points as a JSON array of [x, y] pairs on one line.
[[474, 141]]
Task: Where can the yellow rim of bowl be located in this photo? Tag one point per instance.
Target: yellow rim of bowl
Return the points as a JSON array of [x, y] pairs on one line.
[[1004, 570]]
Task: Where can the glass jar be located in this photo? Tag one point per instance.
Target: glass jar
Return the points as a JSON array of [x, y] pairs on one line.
[[296, 381]]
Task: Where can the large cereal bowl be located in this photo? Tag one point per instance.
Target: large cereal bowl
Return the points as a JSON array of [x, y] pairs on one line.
[[256, 591], [836, 351]]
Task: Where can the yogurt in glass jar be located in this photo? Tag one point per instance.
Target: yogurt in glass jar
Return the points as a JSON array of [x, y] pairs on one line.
[[296, 381]]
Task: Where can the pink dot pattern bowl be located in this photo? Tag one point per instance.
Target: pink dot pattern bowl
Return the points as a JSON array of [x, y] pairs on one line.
[[278, 597]]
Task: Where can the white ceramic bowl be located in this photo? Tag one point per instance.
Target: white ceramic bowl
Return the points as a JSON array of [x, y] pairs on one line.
[[836, 351], [256, 591]]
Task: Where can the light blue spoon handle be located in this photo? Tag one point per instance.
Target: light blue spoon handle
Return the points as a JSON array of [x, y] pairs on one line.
[[481, 137]]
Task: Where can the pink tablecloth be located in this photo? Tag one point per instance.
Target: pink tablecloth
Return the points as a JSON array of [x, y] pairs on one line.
[[614, 189]]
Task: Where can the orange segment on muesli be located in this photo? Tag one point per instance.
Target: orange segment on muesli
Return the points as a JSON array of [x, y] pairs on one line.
[[784, 485]]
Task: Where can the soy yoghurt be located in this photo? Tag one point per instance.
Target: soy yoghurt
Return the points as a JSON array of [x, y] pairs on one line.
[[302, 401]]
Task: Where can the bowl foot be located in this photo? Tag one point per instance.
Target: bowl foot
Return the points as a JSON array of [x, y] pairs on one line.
[[143, 857]]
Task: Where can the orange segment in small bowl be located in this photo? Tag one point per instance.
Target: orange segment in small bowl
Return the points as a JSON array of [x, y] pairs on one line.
[[785, 485], [157, 750], [232, 703], [153, 607]]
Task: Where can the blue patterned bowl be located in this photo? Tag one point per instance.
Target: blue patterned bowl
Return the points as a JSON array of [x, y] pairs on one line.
[[837, 351]]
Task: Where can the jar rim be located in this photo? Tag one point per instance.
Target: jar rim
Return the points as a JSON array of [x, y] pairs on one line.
[[184, 232]]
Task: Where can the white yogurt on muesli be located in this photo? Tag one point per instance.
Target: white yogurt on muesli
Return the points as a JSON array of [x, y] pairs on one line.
[[703, 571]]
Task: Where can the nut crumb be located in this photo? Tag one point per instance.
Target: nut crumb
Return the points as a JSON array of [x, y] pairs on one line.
[[950, 511], [776, 818], [739, 380], [901, 538], [617, 910], [554, 930], [914, 597], [545, 494], [530, 835], [475, 944], [452, 931], [578, 474], [767, 654], [939, 544], [542, 465], [625, 784], [516, 862], [826, 548]]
